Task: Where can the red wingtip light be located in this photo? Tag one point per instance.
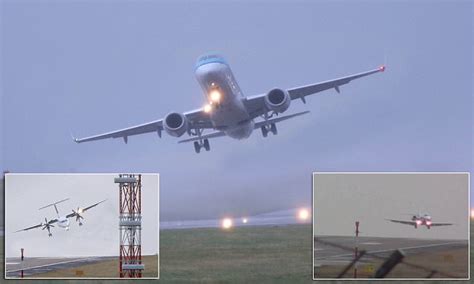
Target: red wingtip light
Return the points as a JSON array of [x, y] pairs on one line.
[[382, 68]]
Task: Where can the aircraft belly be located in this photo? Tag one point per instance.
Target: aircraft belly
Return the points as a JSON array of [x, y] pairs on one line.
[[228, 115], [241, 131]]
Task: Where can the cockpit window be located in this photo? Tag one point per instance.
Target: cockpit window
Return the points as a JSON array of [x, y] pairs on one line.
[[210, 58]]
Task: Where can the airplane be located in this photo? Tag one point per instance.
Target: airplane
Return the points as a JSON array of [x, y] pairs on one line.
[[61, 220], [420, 220], [228, 112]]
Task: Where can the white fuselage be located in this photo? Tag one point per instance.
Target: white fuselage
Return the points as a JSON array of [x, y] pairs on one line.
[[229, 113], [63, 222]]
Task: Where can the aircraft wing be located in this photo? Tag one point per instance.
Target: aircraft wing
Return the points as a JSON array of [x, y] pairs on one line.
[[441, 224], [257, 125], [256, 105], [37, 226], [195, 118], [29, 228], [85, 209], [402, 222]]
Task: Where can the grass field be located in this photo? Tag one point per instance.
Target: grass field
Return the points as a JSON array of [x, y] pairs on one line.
[[244, 254]]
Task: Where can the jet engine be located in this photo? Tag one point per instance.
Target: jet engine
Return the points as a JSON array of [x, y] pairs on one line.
[[175, 124], [277, 100]]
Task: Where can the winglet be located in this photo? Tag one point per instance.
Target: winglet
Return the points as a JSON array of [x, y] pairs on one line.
[[73, 138]]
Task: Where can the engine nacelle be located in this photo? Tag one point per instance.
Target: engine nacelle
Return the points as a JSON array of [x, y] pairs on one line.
[[277, 100], [175, 124]]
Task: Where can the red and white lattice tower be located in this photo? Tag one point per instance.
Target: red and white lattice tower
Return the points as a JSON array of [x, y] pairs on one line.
[[130, 225]]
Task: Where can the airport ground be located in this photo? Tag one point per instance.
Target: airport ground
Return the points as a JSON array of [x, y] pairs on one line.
[[103, 269], [261, 254], [438, 258]]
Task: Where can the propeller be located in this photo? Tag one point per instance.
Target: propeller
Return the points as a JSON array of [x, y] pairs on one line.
[[78, 215], [48, 226]]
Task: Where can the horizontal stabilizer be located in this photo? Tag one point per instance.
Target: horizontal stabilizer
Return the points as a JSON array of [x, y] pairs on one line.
[[52, 204], [210, 135], [257, 125]]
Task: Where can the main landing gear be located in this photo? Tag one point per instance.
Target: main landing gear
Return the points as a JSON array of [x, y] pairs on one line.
[[200, 144], [269, 128]]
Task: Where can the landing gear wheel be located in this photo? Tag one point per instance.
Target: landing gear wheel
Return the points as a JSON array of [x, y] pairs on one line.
[[80, 224], [197, 147], [273, 129], [50, 234], [206, 145], [264, 131]]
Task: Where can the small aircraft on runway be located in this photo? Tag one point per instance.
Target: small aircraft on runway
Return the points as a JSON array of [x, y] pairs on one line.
[[62, 221], [420, 220]]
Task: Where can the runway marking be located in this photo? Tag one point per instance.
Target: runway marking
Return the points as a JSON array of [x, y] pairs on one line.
[[318, 249], [386, 250], [12, 263], [371, 243], [51, 264]]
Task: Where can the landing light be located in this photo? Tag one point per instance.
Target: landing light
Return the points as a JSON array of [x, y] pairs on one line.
[[472, 213], [227, 223], [245, 220], [303, 214], [418, 222], [215, 95], [382, 68], [207, 108]]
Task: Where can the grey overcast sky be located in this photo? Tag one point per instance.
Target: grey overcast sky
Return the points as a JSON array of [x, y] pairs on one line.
[[91, 66], [26, 193], [342, 199]]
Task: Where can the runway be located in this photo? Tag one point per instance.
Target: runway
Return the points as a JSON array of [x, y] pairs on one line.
[[282, 217], [325, 254], [36, 265]]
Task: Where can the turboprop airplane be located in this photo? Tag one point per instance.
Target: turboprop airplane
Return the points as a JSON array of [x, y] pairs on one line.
[[62, 220], [420, 220], [228, 112]]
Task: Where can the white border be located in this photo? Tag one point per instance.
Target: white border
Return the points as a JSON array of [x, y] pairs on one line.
[[399, 279], [77, 278]]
